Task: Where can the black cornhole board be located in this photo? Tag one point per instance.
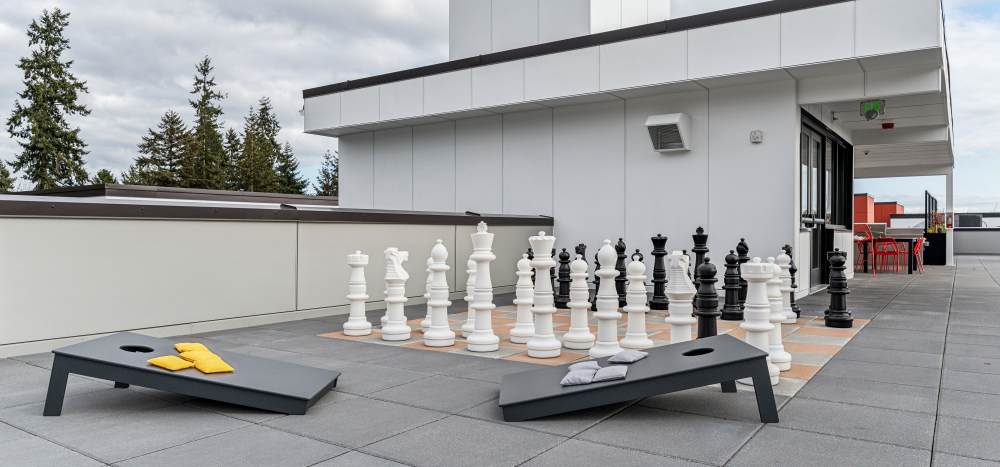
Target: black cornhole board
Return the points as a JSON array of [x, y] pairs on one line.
[[537, 393], [257, 382]]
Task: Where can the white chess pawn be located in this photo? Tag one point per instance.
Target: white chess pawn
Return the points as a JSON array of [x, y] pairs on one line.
[[470, 286], [636, 307], [785, 263], [579, 335], [524, 291], [439, 333], [781, 359], [607, 304], [357, 293], [543, 344], [757, 314], [395, 328], [483, 339], [426, 322], [680, 291]]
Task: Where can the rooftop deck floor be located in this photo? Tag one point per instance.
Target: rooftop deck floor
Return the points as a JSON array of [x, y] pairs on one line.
[[919, 385]]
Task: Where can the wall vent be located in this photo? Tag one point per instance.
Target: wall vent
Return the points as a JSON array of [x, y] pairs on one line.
[[669, 132]]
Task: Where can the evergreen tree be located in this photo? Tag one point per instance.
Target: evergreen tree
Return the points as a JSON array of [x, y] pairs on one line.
[[260, 148], [286, 167], [163, 151], [204, 166], [328, 181], [104, 177], [232, 148], [6, 181], [51, 151]]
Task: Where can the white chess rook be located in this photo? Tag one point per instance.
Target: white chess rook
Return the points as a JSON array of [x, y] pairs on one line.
[[426, 322], [579, 336], [483, 339], [395, 328], [439, 333], [757, 314], [781, 359], [524, 292], [607, 304], [470, 286], [636, 308], [785, 263], [357, 293], [543, 344], [680, 292]]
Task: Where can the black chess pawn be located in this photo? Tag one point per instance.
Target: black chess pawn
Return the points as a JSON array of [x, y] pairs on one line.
[[837, 316], [707, 300], [621, 281], [743, 250], [793, 270], [731, 310], [531, 256], [659, 300], [562, 295], [597, 283], [552, 271]]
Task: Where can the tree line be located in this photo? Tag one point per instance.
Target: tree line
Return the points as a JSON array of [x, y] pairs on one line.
[[202, 154]]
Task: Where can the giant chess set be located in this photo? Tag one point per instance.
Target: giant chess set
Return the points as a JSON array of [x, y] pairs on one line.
[[558, 318]]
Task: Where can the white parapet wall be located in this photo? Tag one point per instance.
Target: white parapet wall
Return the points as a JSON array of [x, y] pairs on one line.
[[72, 278], [982, 241]]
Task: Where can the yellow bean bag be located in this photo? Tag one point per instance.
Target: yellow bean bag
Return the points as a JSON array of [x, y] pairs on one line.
[[170, 362], [186, 346], [212, 365], [195, 355]]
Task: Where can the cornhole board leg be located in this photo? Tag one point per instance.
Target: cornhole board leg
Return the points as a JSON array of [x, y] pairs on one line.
[[57, 388]]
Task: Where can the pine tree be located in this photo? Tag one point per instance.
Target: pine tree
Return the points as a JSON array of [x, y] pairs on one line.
[[286, 169], [328, 181], [204, 166], [104, 177], [51, 151], [6, 181], [232, 148], [260, 148], [163, 151]]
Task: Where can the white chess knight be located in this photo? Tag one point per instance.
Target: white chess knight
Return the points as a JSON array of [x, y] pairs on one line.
[[757, 314], [482, 338], [636, 308], [470, 286], [781, 359], [607, 304], [785, 263], [524, 292], [395, 328], [357, 293], [680, 291], [543, 344], [578, 336], [439, 333], [426, 322]]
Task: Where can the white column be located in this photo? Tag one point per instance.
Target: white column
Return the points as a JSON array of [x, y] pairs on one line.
[[636, 307], [680, 292], [357, 293], [607, 304], [757, 314], [949, 204], [439, 333], [544, 343], [579, 335], [781, 359], [483, 339], [524, 292], [395, 328]]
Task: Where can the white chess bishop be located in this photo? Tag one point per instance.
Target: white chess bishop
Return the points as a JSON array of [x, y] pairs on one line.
[[395, 328], [757, 314], [470, 286], [439, 333], [785, 263], [426, 322], [524, 292], [482, 338], [579, 336], [636, 308], [357, 294], [607, 304], [680, 291], [543, 344], [781, 358]]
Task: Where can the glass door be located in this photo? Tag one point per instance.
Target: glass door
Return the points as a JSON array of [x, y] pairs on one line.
[[826, 177], [813, 215]]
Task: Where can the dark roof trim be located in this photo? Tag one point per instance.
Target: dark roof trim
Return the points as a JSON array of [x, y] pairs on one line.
[[157, 192], [83, 209], [712, 18], [888, 202]]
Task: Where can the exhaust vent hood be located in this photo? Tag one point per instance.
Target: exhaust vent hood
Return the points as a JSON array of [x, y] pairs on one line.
[[669, 132]]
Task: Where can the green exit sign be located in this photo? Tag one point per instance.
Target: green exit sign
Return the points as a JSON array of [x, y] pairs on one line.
[[872, 109]]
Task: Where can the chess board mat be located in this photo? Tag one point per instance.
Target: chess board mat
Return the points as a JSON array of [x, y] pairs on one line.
[[810, 342]]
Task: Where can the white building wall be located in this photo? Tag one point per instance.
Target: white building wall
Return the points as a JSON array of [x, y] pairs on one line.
[[356, 166], [479, 27], [434, 167], [393, 169], [527, 162], [479, 165]]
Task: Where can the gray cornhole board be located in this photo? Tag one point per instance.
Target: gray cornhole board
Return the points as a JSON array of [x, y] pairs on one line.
[[537, 393], [257, 382]]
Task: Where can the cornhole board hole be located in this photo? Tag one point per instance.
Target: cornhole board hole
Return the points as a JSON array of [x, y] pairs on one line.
[[676, 367], [257, 382]]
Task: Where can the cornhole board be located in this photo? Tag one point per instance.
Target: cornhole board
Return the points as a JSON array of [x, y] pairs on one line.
[[257, 382], [676, 367]]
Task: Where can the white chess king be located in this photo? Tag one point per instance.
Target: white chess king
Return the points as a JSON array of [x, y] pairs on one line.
[[544, 343], [524, 292], [579, 335], [680, 292], [357, 294], [636, 308], [439, 333], [757, 314], [483, 339], [395, 328], [607, 304]]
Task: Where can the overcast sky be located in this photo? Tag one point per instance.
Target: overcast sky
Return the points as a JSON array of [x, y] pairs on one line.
[[138, 60]]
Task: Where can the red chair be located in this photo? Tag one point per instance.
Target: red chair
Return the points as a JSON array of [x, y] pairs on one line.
[[864, 241], [918, 254], [887, 249]]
